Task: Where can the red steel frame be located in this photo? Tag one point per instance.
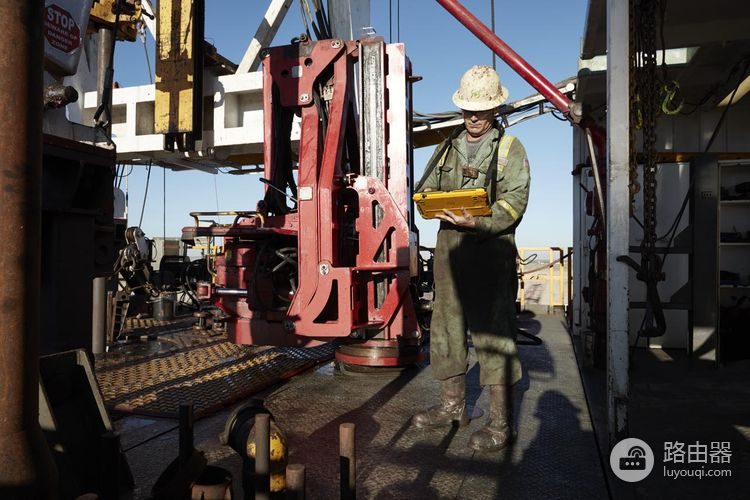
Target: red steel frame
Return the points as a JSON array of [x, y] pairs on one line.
[[332, 299]]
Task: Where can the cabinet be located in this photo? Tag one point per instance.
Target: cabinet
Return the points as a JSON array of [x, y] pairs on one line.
[[733, 222], [719, 315]]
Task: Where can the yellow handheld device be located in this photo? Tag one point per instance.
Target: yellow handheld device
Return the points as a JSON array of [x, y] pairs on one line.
[[473, 201]]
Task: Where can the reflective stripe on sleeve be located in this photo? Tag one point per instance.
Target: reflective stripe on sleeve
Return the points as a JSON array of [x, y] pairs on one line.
[[509, 208], [502, 151]]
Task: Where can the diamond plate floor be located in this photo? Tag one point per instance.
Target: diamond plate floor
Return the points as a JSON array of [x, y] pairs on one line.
[[555, 455]]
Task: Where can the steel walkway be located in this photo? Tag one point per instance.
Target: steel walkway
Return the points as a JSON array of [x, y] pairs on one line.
[[555, 455]]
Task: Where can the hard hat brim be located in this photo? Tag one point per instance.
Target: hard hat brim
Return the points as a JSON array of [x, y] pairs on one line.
[[480, 105]]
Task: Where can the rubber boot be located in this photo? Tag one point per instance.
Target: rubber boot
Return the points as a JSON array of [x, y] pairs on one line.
[[452, 408], [497, 433]]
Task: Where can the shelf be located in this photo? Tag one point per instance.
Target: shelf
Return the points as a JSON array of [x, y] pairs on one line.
[[667, 306], [663, 250], [736, 287], [734, 243], [736, 202]]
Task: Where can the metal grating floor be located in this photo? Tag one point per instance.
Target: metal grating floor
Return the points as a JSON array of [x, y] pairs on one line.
[[210, 375]]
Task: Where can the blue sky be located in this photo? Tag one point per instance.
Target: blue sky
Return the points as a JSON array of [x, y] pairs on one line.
[[545, 33]]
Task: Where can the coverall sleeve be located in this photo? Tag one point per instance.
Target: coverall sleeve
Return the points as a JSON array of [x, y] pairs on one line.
[[512, 194], [432, 179]]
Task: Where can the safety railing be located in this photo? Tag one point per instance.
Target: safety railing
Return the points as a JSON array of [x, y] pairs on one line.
[[544, 277]]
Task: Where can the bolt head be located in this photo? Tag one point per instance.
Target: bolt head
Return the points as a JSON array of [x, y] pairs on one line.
[[265, 53], [304, 98], [336, 44]]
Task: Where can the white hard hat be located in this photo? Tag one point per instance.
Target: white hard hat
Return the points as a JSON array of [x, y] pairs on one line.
[[480, 90]]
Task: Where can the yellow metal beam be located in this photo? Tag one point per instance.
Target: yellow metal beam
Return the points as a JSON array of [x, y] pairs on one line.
[[179, 67]]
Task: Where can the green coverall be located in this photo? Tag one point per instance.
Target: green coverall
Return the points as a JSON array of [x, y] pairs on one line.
[[476, 281]]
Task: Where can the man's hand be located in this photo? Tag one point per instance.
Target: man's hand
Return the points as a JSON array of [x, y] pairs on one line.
[[463, 220]]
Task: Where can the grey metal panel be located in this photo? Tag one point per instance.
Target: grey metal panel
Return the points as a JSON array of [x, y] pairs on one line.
[[373, 113], [704, 261], [691, 133], [617, 217], [688, 23], [738, 124], [581, 254], [349, 18], [686, 130]]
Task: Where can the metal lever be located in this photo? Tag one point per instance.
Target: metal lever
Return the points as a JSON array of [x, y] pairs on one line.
[[268, 183]]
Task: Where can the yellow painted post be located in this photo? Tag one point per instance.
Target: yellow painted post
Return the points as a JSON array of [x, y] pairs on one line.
[[179, 68]]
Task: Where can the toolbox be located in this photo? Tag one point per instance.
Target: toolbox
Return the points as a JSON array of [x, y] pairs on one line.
[[431, 203]]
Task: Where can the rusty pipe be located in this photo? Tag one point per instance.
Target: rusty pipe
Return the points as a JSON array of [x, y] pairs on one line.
[[295, 482], [59, 96], [26, 467], [347, 462], [262, 456], [512, 59]]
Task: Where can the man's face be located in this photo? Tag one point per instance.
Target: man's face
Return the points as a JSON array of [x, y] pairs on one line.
[[478, 122]]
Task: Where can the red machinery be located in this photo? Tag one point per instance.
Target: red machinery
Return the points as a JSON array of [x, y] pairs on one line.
[[341, 262]]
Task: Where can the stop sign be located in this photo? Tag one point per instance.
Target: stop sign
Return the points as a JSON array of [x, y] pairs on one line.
[[61, 30]]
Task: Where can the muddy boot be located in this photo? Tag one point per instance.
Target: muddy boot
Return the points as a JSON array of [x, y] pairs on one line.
[[451, 410], [497, 433]]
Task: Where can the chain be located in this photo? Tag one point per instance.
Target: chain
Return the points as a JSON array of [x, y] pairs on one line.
[[647, 88], [634, 186]]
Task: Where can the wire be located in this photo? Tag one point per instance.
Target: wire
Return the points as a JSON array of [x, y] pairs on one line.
[[164, 203], [398, 20], [142, 35], [556, 114], [492, 14], [712, 92], [145, 194], [216, 194], [729, 105], [304, 17], [390, 21], [528, 260]]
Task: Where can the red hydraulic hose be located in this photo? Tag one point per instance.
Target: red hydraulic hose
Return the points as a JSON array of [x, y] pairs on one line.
[[519, 65]]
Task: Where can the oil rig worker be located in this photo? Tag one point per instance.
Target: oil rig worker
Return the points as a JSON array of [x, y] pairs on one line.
[[476, 281]]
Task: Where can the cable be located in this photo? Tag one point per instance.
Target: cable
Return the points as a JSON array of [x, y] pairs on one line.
[[142, 35], [390, 21], [712, 92], [637, 220], [106, 105], [729, 105], [216, 194], [528, 260], [492, 14], [145, 194], [398, 21], [164, 203], [304, 17], [556, 114]]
